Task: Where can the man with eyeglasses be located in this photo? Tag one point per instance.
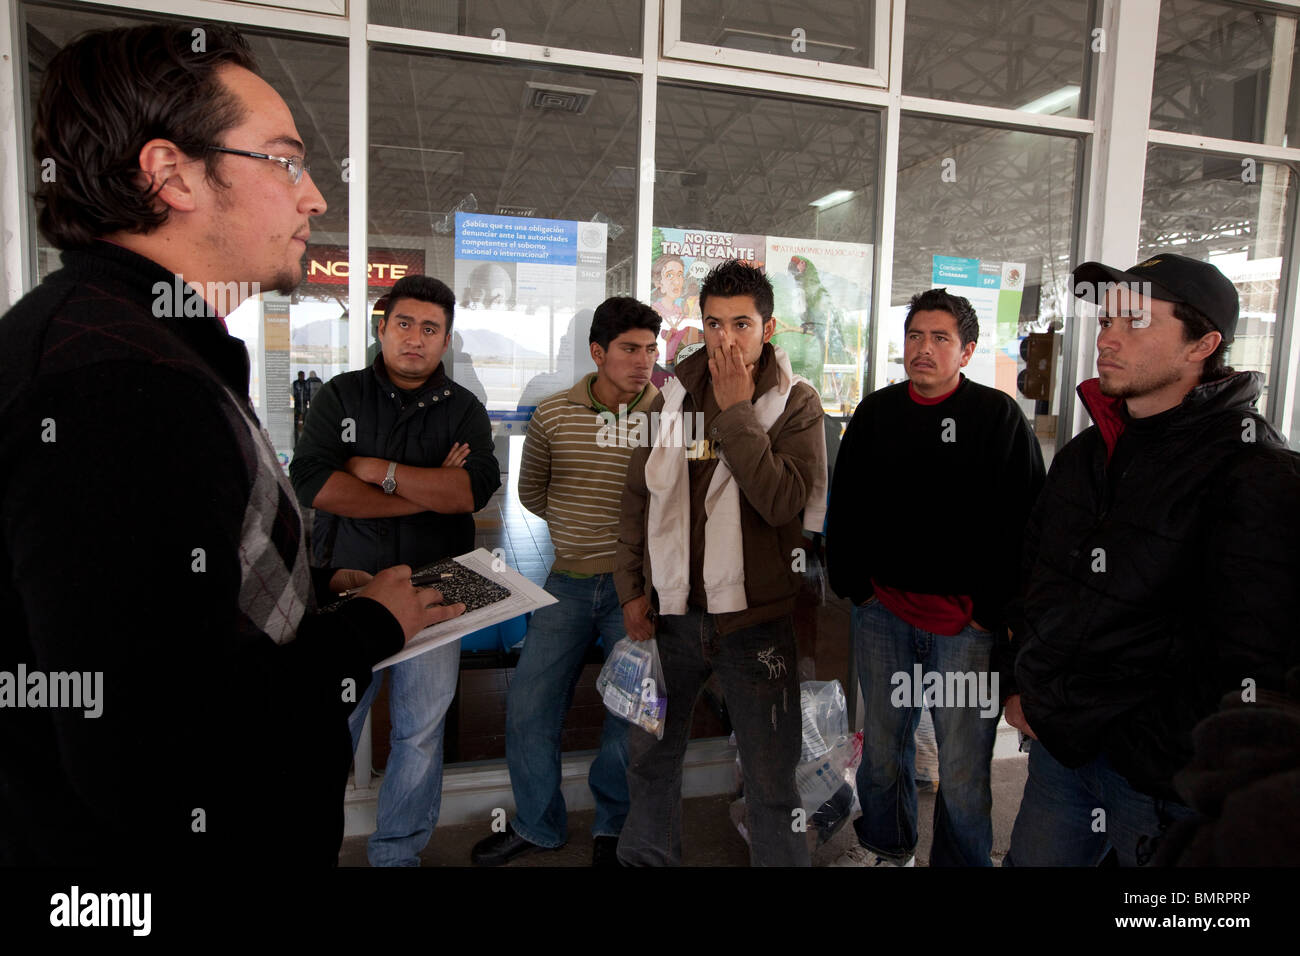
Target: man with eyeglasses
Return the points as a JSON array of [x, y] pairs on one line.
[[167, 693], [1161, 563]]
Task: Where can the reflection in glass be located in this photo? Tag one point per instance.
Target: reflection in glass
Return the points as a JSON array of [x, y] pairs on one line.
[[601, 26], [517, 187], [784, 184], [831, 31], [1018, 56], [989, 214], [1226, 71], [1213, 208]]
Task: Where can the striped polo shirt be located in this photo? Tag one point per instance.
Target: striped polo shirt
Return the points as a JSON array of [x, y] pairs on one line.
[[573, 483]]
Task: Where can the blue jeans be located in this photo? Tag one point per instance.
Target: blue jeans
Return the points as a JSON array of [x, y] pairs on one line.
[[758, 671], [1072, 817], [886, 646], [559, 636], [411, 793]]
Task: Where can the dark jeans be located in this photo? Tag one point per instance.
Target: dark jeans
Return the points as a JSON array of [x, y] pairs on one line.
[[886, 647], [1071, 817], [757, 669]]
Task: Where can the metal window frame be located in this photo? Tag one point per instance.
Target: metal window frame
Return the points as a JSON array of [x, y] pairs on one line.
[[675, 48], [1285, 353]]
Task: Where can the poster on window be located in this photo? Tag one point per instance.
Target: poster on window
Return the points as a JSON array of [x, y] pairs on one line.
[[680, 259], [995, 289], [821, 300], [822, 307], [526, 290]]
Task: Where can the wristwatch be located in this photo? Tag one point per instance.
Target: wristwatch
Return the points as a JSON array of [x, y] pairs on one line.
[[390, 483]]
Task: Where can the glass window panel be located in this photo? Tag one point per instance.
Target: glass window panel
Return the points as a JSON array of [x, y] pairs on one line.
[[1214, 208], [490, 147], [284, 334], [830, 31], [788, 183], [601, 26], [1014, 55], [989, 214], [1225, 71]]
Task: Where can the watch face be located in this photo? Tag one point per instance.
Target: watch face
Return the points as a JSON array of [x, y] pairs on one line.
[[389, 486]]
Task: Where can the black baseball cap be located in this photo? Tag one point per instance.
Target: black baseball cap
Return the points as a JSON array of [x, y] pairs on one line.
[[1172, 278]]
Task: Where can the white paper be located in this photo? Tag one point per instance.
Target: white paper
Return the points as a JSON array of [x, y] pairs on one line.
[[524, 596]]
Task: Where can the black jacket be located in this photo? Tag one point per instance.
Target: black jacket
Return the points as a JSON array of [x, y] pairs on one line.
[[419, 433], [1159, 584], [933, 499], [123, 528]]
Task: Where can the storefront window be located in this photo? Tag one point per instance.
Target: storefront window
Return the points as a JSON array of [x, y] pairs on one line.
[[601, 26], [1018, 56], [517, 187], [989, 214], [787, 185], [1235, 214], [1226, 71]]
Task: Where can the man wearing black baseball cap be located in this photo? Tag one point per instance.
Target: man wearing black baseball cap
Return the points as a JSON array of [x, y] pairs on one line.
[[1160, 568]]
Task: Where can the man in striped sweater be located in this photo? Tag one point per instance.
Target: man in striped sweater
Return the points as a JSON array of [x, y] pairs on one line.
[[572, 475]]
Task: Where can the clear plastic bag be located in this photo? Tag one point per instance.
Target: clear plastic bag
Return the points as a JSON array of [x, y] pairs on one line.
[[632, 685], [825, 716]]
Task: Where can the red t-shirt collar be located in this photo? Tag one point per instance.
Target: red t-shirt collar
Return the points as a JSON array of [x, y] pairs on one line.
[[922, 400]]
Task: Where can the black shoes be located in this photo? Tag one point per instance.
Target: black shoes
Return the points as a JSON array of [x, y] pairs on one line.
[[502, 848], [605, 851]]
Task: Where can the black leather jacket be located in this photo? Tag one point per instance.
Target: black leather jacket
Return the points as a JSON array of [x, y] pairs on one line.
[[1151, 593]]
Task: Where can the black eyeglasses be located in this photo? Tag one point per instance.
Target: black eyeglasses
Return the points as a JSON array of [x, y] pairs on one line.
[[295, 166]]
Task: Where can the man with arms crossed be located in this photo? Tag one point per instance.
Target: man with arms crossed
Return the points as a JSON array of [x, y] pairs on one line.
[[573, 473], [149, 534], [1161, 564], [922, 462], [401, 456], [711, 526]]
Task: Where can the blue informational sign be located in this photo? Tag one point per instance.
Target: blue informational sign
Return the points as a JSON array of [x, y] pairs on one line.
[[952, 270], [972, 273], [545, 242]]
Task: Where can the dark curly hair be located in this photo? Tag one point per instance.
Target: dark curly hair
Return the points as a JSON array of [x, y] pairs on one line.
[[941, 300], [732, 278], [104, 96]]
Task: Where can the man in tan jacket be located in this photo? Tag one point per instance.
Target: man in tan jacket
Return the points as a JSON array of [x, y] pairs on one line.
[[737, 468]]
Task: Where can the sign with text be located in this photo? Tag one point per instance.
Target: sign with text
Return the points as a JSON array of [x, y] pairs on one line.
[[328, 265], [994, 289]]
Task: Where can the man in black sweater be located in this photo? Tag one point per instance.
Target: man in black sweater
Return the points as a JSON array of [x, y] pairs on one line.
[[933, 486], [1161, 565], [152, 554]]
